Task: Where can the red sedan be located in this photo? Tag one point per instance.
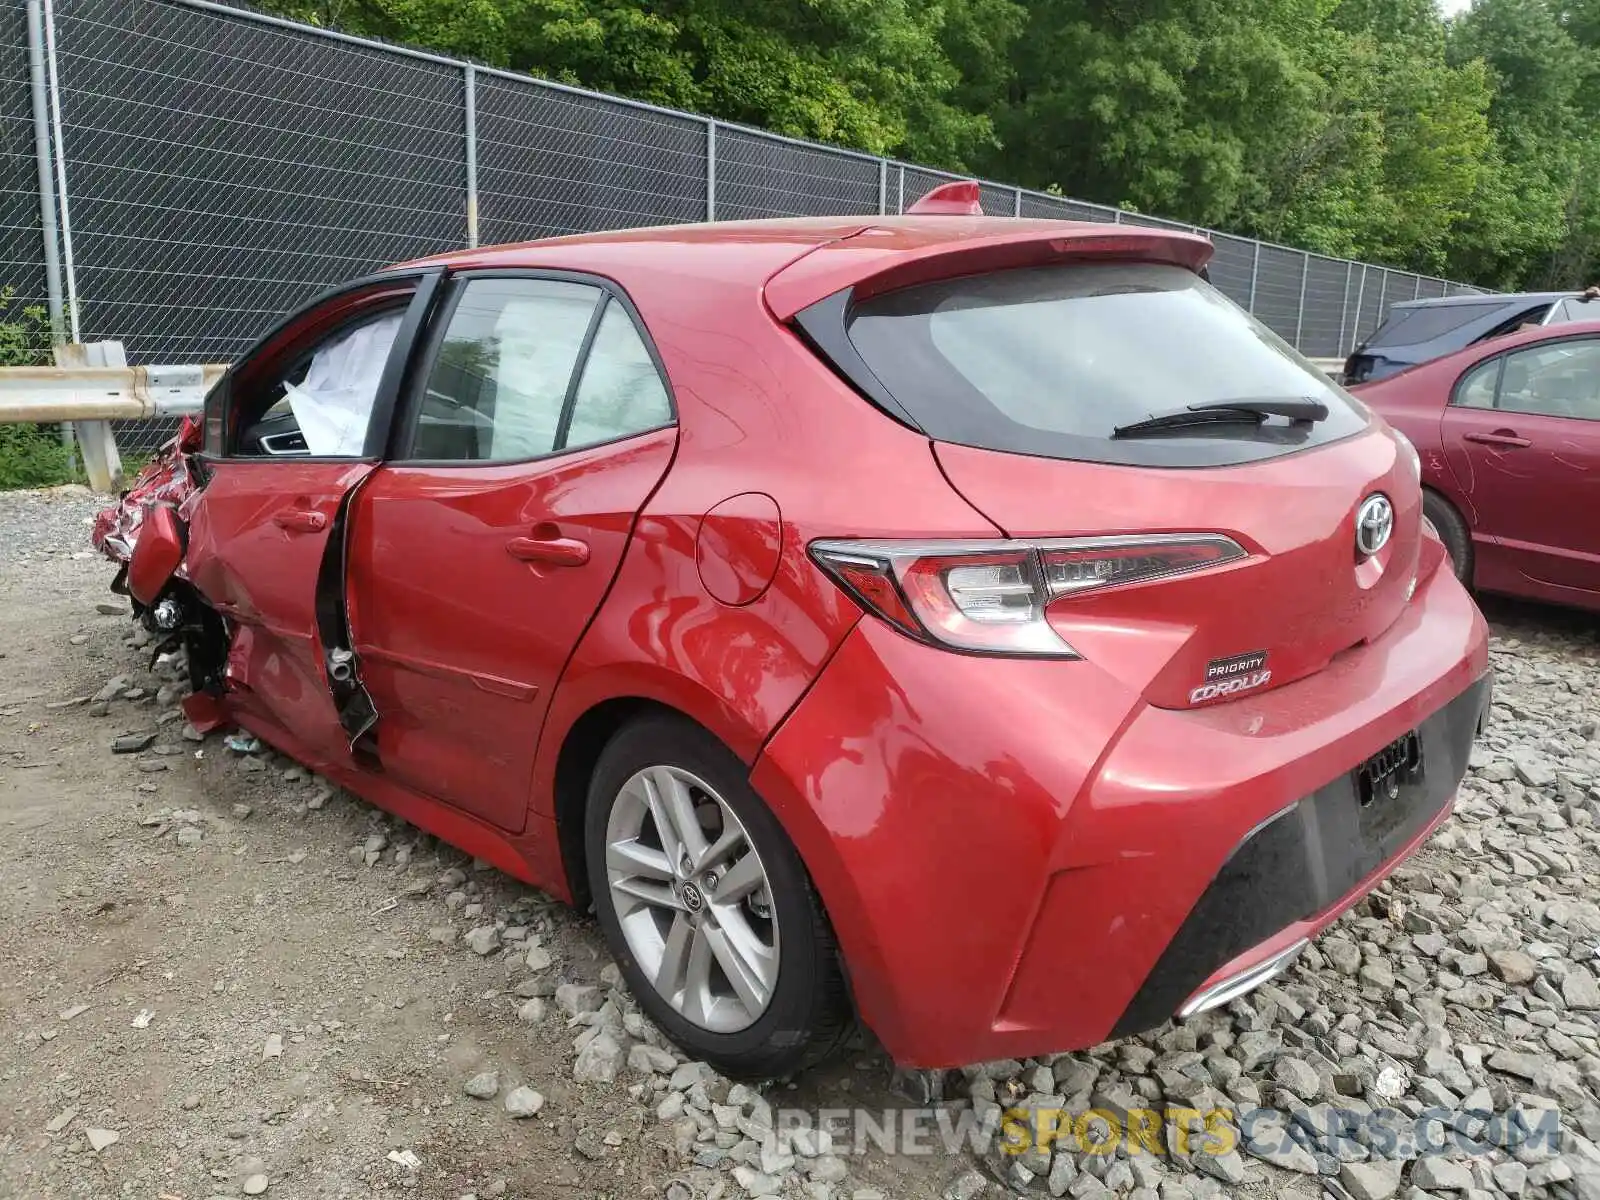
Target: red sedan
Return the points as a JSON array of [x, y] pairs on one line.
[[978, 627], [1509, 434]]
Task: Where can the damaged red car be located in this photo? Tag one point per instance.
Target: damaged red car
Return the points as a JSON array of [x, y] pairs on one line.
[[978, 628]]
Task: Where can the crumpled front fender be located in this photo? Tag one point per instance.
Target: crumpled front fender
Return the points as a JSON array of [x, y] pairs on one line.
[[165, 478]]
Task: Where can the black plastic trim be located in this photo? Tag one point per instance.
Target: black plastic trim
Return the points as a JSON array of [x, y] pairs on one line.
[[825, 326], [380, 424], [579, 366]]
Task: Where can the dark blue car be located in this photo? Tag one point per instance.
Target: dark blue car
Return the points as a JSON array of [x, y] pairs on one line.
[[1418, 331]]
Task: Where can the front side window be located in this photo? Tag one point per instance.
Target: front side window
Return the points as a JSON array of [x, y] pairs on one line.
[[500, 379], [332, 405], [1558, 379], [311, 390]]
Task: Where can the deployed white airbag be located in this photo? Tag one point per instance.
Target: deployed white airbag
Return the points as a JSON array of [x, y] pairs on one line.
[[334, 405]]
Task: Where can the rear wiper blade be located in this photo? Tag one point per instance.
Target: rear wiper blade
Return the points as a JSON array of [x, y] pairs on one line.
[[1254, 410]]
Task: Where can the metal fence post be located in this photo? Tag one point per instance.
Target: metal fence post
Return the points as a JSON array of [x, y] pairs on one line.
[[1300, 312], [64, 208], [1344, 303], [1016, 202], [470, 95], [711, 170], [51, 167], [1416, 292], [1361, 298], [1255, 275], [47, 181], [883, 187], [900, 204]]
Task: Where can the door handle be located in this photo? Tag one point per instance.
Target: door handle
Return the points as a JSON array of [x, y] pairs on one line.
[[554, 551], [1500, 437], [299, 520]]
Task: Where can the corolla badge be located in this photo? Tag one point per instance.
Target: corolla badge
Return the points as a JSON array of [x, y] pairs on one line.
[[1374, 523], [1230, 676]]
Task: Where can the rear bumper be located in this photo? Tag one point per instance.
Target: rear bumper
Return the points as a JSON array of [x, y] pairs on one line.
[[1022, 857], [1300, 870]]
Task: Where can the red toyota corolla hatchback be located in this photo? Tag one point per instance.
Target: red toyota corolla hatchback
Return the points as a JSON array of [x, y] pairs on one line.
[[979, 627]]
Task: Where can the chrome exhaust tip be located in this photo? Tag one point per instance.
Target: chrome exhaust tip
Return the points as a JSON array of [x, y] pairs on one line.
[[1247, 980]]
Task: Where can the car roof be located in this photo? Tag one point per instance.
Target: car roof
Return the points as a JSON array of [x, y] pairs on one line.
[[1506, 298], [798, 231], [829, 252]]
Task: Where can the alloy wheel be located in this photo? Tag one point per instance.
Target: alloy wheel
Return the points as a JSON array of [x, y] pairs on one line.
[[693, 899]]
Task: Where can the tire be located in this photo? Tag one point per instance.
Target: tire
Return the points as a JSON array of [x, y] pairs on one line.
[[806, 1012], [1453, 532]]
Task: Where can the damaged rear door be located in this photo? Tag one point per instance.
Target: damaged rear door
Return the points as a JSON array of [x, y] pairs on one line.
[[292, 433], [538, 424]]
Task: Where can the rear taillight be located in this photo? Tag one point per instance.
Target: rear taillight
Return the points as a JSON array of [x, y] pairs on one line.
[[991, 596]]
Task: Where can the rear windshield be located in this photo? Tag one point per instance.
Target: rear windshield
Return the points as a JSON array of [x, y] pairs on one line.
[[1052, 360], [1414, 326]]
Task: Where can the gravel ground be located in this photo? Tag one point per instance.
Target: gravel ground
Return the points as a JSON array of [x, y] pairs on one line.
[[224, 978]]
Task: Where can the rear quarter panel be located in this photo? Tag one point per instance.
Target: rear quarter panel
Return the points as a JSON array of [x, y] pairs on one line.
[[758, 413]]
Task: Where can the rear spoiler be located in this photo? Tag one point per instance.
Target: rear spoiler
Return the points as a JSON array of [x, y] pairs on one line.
[[883, 258]]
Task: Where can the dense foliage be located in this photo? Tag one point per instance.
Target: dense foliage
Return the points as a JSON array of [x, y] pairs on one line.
[[1370, 128], [30, 455]]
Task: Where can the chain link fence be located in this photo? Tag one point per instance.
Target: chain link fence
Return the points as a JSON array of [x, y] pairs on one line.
[[21, 235], [220, 167]]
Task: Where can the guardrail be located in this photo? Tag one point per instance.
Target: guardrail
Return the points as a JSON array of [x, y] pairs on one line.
[[49, 394], [91, 385]]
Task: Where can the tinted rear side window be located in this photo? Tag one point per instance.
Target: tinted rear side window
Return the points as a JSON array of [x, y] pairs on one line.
[[1522, 320], [1050, 361], [1414, 326], [1575, 309]]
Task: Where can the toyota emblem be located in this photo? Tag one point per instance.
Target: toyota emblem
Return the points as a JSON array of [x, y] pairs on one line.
[[1374, 524], [692, 899]]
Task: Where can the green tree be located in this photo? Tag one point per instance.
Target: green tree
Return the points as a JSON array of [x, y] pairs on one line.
[[1528, 206], [904, 77], [1369, 128], [30, 455], [1400, 146], [1164, 105], [1339, 126], [471, 28]]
